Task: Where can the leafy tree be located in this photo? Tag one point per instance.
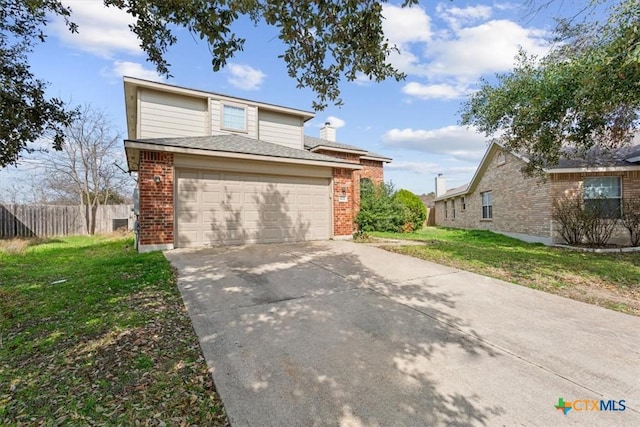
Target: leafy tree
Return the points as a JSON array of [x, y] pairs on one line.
[[25, 112], [325, 41], [585, 93], [415, 211], [379, 210]]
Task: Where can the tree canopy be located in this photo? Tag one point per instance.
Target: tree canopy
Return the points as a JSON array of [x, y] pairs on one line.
[[25, 112], [584, 93], [325, 42]]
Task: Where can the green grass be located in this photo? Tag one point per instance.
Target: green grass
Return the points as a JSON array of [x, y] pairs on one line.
[[611, 280], [93, 333]]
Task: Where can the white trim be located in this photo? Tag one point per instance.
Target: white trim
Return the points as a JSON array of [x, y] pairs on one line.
[[337, 149], [151, 248], [133, 145], [380, 159], [596, 169]]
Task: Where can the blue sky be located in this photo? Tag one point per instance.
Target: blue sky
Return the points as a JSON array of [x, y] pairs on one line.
[[445, 48]]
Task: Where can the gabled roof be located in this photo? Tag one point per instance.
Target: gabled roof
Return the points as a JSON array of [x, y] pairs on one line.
[[314, 144], [596, 160], [230, 145]]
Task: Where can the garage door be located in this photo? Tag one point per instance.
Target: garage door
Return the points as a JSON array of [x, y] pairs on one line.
[[214, 208]]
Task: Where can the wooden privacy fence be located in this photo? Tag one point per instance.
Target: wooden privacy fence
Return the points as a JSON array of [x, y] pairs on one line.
[[46, 220]]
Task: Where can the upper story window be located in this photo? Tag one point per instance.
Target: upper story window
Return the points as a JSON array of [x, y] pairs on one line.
[[234, 118], [603, 195], [501, 158], [487, 205]]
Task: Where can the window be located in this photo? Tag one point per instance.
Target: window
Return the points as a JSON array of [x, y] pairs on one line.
[[464, 204], [453, 209], [500, 158], [445, 210], [234, 118], [487, 205], [603, 195]]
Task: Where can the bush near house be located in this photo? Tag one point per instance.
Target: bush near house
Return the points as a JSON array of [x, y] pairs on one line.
[[415, 211], [379, 210], [383, 209], [595, 223]]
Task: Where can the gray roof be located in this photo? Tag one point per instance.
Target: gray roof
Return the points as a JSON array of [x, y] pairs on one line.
[[598, 157], [311, 142], [230, 143], [455, 190]]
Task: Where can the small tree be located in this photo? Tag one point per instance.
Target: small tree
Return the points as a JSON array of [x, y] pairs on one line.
[[415, 211], [84, 171], [379, 211], [569, 213], [631, 219]]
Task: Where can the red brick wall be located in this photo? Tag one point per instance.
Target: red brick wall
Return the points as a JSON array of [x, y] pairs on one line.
[[344, 212], [156, 199], [372, 169]]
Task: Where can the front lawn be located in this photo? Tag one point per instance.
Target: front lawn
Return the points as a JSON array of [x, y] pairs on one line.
[[611, 280], [92, 333]]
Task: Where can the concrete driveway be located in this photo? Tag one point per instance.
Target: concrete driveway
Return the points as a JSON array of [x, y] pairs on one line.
[[336, 333]]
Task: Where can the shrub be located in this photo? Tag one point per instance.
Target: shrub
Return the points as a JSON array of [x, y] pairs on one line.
[[415, 211], [569, 213], [631, 219], [379, 211]]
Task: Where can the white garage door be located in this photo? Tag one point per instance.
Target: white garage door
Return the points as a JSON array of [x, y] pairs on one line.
[[214, 208]]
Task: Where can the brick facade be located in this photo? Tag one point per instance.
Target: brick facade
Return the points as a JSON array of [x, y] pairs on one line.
[[344, 213], [156, 198], [570, 185], [521, 205]]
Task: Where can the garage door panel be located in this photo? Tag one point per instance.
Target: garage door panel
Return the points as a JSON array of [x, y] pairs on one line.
[[231, 208]]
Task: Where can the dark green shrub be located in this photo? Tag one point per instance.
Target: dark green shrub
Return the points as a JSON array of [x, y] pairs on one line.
[[415, 211], [379, 211]]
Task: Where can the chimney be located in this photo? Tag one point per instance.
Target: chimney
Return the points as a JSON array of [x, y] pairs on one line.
[[441, 185], [328, 132]]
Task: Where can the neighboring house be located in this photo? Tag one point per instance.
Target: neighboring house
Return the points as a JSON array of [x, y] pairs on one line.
[[214, 169], [501, 199]]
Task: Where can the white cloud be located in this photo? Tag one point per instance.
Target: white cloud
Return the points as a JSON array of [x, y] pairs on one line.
[[456, 16], [442, 91], [459, 142], [430, 168], [245, 77], [335, 122], [131, 69], [487, 48], [102, 31], [402, 25]]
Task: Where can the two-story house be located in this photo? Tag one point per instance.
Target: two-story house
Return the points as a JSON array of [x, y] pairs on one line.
[[214, 169]]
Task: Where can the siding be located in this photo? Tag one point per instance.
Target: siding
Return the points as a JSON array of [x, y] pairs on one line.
[[280, 129], [215, 106], [164, 115], [521, 205]]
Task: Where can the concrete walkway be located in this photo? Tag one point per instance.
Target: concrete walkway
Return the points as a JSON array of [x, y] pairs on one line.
[[336, 333]]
